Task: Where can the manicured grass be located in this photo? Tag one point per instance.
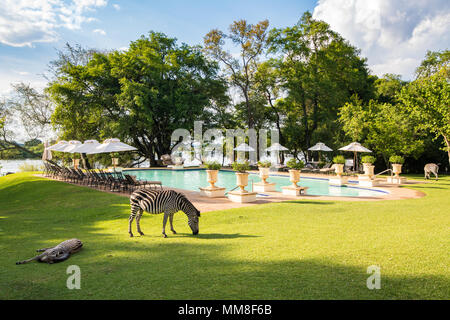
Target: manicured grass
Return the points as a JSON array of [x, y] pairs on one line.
[[293, 250]]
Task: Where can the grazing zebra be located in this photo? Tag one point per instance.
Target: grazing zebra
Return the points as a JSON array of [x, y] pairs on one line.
[[159, 201], [431, 168]]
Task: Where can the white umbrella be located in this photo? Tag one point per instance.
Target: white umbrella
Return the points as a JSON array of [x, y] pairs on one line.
[[58, 146], [112, 145], [355, 147], [47, 154], [87, 146], [244, 147], [71, 146], [276, 147], [320, 147]]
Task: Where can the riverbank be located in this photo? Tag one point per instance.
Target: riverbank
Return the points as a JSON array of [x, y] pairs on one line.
[[13, 166]]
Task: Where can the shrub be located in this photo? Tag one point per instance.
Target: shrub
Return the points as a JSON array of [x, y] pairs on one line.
[[339, 160], [240, 166], [397, 159], [368, 159], [264, 164], [114, 155], [213, 165], [321, 164], [75, 156], [27, 167], [295, 164]]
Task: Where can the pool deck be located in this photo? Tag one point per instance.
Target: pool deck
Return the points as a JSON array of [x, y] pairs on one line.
[[205, 204]]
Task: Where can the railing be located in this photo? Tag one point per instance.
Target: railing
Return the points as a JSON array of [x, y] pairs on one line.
[[384, 172]]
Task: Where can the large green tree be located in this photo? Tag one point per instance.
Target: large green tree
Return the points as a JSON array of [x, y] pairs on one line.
[[428, 97], [139, 95], [383, 127], [250, 40], [320, 71]]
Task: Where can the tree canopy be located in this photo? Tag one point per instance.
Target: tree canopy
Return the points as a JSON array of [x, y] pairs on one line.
[[140, 95]]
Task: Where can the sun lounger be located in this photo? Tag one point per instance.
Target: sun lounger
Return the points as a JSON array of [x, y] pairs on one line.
[[328, 168]]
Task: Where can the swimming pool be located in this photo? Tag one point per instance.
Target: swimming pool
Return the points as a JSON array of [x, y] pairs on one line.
[[193, 179]]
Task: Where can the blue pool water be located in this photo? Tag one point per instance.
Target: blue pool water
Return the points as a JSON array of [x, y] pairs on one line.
[[193, 179]]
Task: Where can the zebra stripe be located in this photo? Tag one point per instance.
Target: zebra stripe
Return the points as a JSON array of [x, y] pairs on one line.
[[161, 201]]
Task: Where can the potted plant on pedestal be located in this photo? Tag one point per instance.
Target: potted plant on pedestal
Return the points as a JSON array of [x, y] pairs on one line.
[[241, 174], [338, 165], [339, 162], [397, 163], [368, 166], [212, 171], [294, 171], [294, 176], [264, 186], [241, 195]]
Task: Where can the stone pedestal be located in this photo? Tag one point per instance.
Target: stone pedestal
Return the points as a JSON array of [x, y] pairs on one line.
[[294, 191], [396, 180], [263, 187], [338, 180], [366, 181], [242, 197], [212, 192]]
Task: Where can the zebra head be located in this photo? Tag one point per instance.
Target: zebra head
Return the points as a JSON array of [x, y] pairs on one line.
[[193, 215]]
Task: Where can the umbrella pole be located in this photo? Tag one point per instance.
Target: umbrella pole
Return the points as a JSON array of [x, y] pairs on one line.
[[355, 165]]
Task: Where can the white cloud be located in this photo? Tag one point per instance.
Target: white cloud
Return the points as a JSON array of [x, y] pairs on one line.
[[100, 31], [116, 6], [393, 35], [24, 22]]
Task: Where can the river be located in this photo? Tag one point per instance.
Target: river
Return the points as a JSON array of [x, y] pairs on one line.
[[14, 165]]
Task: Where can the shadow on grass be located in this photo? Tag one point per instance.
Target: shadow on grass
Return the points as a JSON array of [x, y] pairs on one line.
[[318, 202], [217, 235], [130, 270]]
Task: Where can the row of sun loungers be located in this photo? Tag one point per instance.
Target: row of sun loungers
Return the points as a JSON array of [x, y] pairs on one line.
[[112, 181]]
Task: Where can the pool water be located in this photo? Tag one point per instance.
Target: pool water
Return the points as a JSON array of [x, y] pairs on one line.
[[194, 179]]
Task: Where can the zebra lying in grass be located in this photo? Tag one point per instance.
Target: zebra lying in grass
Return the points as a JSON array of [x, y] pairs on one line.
[[58, 253], [159, 201], [431, 168]]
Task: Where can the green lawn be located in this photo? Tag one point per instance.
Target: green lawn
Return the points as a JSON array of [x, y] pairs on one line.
[[292, 250]]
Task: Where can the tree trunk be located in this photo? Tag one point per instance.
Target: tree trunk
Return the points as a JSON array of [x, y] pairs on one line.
[[447, 142], [85, 161]]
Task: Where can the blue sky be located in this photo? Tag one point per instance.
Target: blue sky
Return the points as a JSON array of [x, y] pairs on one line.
[[393, 35], [116, 23]]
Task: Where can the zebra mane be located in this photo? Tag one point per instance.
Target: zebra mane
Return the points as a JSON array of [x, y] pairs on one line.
[[185, 199]]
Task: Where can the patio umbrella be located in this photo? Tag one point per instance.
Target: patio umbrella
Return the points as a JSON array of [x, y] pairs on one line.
[[243, 147], [58, 146], [319, 146], [71, 146], [87, 146], [111, 145], [47, 154], [276, 147], [355, 147]]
